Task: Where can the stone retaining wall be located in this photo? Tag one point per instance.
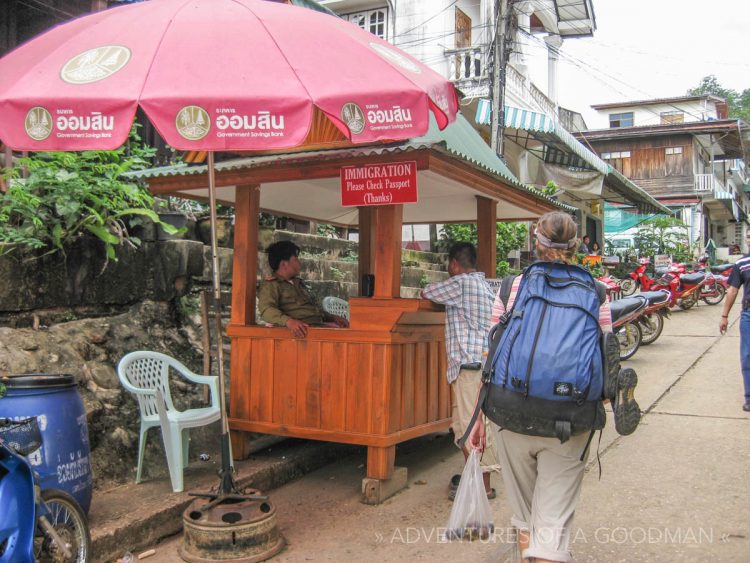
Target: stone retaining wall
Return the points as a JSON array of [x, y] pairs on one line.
[[80, 313]]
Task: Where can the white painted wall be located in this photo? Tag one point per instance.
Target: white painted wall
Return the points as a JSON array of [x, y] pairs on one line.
[[695, 110]]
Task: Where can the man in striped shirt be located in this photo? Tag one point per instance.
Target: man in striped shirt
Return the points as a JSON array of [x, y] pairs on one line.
[[740, 276], [468, 305]]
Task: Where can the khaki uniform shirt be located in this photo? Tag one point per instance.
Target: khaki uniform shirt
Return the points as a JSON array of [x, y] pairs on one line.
[[279, 300]]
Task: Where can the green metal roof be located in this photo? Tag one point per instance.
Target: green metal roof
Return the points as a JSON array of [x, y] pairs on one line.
[[459, 139], [311, 5]]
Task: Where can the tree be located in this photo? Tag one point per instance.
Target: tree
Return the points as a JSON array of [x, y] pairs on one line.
[[510, 236], [738, 102], [664, 235], [68, 195]]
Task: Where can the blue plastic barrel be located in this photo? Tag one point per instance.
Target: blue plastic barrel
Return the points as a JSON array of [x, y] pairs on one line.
[[63, 461]]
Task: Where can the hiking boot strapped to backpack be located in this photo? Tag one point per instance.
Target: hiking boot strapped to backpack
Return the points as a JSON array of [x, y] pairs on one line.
[[549, 365]]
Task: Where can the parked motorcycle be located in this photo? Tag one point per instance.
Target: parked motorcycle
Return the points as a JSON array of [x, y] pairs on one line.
[[714, 286], [638, 278], [625, 325], [35, 526]]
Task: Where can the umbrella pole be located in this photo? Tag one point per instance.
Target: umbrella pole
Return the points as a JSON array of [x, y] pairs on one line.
[[227, 482]]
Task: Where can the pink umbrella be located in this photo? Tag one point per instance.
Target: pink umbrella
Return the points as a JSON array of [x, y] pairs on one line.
[[213, 75]]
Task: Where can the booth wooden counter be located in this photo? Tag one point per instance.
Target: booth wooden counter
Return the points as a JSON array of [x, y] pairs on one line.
[[380, 382]]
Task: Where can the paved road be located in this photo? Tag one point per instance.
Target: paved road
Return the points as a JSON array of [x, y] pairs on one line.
[[676, 490]]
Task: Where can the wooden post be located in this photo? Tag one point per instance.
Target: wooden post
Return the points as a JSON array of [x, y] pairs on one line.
[[245, 266], [387, 257], [487, 236], [366, 238]]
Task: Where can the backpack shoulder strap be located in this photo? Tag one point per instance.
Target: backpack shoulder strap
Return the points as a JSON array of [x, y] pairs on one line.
[[601, 291], [505, 287]]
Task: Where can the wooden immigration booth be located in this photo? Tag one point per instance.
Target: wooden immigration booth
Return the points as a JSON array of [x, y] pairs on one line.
[[381, 381]]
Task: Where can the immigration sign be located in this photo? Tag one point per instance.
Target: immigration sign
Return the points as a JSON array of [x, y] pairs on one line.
[[379, 184]]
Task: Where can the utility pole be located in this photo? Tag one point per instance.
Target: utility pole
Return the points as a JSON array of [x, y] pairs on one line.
[[500, 56]]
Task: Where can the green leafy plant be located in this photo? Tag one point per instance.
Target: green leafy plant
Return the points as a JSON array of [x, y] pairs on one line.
[[423, 281], [510, 236], [664, 235], [68, 195], [550, 189], [338, 275], [326, 230]]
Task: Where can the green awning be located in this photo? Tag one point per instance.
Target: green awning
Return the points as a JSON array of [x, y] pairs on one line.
[[561, 147]]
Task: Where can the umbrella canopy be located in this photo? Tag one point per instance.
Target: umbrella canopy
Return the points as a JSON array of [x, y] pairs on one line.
[[213, 75]]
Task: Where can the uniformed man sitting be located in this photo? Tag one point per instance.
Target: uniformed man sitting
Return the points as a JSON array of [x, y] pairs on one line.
[[283, 298]]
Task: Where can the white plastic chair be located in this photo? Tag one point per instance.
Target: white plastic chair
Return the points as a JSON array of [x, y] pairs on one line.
[[146, 375], [335, 306]]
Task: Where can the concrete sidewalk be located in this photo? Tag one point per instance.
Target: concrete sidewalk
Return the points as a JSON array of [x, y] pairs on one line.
[[676, 490], [131, 517]]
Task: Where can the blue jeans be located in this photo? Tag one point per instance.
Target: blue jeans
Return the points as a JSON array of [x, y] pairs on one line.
[[745, 352]]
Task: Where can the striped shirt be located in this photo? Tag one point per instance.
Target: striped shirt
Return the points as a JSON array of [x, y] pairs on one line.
[[740, 276], [498, 308], [468, 304]]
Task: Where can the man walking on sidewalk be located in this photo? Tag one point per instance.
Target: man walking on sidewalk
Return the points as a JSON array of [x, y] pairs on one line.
[[468, 305], [740, 276]]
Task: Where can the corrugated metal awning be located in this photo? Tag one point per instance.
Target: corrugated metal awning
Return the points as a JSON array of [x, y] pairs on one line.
[[561, 147]]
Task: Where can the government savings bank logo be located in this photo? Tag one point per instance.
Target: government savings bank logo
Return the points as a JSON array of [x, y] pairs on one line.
[[354, 117], [38, 123], [95, 64], [193, 123]]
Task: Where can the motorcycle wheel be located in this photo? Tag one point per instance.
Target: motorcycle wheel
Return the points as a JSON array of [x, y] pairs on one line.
[[687, 302], [68, 519], [628, 287], [719, 292], [651, 327], [629, 337]]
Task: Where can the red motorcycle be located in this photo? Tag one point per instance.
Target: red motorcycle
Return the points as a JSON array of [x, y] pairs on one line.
[[684, 289], [717, 279], [637, 278]]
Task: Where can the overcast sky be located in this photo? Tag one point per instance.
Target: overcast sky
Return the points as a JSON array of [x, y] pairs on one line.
[[651, 48]]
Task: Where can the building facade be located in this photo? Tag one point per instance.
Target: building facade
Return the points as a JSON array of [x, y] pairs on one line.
[[688, 154]]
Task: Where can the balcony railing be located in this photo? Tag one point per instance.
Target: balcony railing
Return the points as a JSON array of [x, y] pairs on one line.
[[706, 182], [469, 68], [470, 71], [525, 90]]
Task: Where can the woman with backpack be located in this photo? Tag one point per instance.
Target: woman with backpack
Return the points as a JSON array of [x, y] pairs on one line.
[[542, 460]]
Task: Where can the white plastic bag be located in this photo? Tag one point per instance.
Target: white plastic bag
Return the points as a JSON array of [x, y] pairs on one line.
[[471, 517]]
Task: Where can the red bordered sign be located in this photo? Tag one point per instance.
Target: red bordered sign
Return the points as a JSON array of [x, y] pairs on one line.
[[379, 184]]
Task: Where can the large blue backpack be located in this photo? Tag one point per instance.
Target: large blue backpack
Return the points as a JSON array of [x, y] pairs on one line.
[[546, 374]]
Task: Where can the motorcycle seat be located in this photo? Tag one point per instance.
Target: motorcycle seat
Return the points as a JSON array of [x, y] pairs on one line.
[[655, 297], [626, 306], [722, 269], [697, 277]]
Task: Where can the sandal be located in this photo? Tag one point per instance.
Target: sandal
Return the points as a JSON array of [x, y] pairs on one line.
[[455, 480]]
